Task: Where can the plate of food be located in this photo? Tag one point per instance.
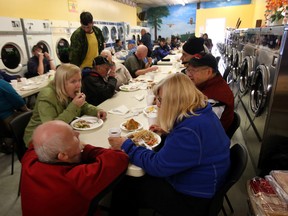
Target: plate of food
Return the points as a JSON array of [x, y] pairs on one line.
[[145, 138], [128, 88], [150, 109], [86, 123], [131, 125]]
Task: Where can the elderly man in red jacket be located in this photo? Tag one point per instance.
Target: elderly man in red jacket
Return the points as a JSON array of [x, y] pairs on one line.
[[61, 176]]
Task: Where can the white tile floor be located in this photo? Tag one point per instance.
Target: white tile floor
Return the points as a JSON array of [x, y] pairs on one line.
[[10, 203]]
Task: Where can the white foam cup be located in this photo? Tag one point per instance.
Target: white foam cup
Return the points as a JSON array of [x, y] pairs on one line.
[[114, 132]]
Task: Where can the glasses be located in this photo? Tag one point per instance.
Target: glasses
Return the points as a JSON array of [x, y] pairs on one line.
[[193, 71]]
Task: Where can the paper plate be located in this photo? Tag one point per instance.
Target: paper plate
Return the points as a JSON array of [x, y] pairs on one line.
[[145, 144], [86, 123], [150, 109], [140, 126], [128, 88]]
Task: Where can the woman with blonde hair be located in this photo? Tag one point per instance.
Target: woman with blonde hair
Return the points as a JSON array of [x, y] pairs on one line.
[[183, 176], [61, 100]]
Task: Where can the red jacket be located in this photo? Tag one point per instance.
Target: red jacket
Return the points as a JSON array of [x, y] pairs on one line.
[[67, 189], [217, 89]]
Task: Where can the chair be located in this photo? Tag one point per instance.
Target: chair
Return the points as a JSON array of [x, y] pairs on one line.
[[239, 158], [18, 126], [234, 125], [94, 203]]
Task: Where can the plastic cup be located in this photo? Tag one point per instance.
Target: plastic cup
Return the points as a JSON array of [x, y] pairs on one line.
[[152, 119], [114, 132], [150, 99]]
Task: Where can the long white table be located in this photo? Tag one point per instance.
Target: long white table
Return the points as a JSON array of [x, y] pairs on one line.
[[172, 59], [99, 136], [34, 85]]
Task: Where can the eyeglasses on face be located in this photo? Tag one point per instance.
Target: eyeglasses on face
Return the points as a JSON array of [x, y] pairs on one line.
[[159, 99]]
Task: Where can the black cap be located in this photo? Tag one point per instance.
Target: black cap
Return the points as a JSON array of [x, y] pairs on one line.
[[194, 45], [99, 60], [204, 60]]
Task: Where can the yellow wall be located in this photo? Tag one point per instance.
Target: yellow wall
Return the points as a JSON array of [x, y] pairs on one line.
[[58, 10], [247, 13]]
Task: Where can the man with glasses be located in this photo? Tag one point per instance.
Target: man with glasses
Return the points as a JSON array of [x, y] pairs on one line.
[[86, 42], [99, 84], [203, 71]]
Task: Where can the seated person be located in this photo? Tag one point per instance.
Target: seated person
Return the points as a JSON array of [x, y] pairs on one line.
[[131, 50], [203, 71], [183, 176], [62, 100], [121, 73], [39, 63], [161, 51], [7, 77], [11, 105], [136, 65], [61, 175], [118, 45], [100, 83]]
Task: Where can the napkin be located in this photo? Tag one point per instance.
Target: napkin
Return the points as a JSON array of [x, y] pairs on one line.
[[139, 97], [121, 110]]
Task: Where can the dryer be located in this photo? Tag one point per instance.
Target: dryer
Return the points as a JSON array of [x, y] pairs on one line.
[[123, 33], [38, 31], [261, 85], [12, 45], [73, 26], [136, 33], [61, 40], [105, 31]]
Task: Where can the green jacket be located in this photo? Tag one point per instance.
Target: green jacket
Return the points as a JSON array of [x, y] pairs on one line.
[[48, 108], [79, 45]]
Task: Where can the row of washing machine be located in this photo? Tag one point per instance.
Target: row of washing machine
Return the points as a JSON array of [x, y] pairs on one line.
[[252, 66], [18, 36]]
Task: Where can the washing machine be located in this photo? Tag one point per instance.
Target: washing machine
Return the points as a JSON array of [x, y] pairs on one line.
[[123, 29], [12, 45], [60, 40], [136, 33], [38, 32], [73, 26], [105, 31]]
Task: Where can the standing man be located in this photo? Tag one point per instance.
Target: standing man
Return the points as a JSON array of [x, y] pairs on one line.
[[39, 63], [86, 42], [136, 65], [99, 84], [146, 40]]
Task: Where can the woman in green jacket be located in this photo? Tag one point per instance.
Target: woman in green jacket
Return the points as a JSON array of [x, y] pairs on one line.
[[62, 100]]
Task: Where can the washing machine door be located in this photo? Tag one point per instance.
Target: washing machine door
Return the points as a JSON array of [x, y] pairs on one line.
[[245, 74], [236, 63], [113, 33], [62, 50], [260, 89], [121, 35], [11, 56], [105, 32], [45, 47]]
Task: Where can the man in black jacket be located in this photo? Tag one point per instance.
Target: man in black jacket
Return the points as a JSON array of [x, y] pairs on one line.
[[99, 83]]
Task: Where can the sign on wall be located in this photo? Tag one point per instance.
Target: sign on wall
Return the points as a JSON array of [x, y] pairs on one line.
[[72, 6]]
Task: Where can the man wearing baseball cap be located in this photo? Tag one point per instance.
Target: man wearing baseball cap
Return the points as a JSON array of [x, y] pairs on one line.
[[99, 83], [203, 71]]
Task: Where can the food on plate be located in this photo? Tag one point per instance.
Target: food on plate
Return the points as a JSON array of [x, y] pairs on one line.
[[151, 109], [143, 135], [81, 124], [131, 124]]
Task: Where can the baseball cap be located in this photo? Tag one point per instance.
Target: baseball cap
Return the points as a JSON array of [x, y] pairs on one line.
[[99, 60], [194, 45], [204, 60], [131, 42]]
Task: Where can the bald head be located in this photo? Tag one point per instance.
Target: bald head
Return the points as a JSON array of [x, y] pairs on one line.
[[141, 52], [106, 54], [54, 138]]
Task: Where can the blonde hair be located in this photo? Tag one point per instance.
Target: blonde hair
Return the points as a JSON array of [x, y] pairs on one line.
[[63, 73], [180, 98]]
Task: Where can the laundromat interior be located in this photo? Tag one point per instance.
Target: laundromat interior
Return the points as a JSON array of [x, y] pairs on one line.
[[253, 60]]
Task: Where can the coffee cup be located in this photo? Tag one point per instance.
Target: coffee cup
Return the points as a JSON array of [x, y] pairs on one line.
[[152, 118], [150, 99]]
